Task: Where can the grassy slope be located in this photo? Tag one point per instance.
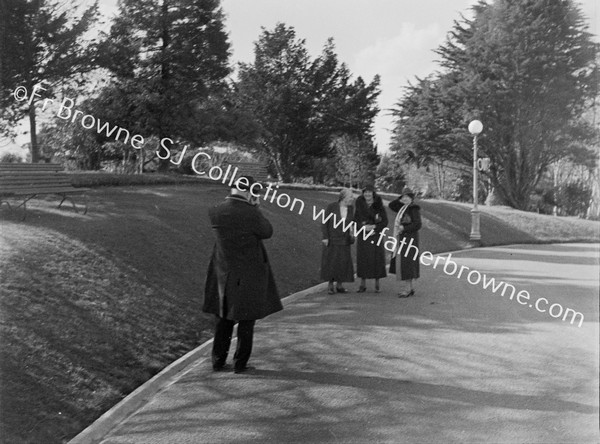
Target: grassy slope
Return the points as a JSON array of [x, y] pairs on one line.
[[92, 306], [502, 225]]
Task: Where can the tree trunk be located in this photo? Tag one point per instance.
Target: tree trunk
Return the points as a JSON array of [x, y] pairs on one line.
[[593, 211], [555, 193], [35, 149], [142, 158], [163, 164], [283, 175], [3, 25]]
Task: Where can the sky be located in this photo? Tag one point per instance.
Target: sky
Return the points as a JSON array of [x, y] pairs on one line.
[[393, 38]]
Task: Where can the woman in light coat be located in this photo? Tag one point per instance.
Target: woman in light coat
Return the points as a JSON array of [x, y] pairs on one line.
[[336, 259], [406, 225]]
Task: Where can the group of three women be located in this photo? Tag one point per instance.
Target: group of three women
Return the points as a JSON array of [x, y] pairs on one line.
[[370, 213]]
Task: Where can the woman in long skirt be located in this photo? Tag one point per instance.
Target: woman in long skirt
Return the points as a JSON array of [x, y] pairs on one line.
[[406, 225], [336, 259], [370, 257]]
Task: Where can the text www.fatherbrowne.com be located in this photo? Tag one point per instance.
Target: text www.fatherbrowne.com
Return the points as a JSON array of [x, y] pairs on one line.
[[451, 268]]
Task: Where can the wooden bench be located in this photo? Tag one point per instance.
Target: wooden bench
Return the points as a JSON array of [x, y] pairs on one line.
[[28, 180], [258, 170]]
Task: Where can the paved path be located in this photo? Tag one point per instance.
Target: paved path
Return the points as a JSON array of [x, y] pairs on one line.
[[455, 364]]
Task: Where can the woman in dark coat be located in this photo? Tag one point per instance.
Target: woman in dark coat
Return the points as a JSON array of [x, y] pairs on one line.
[[406, 226], [370, 257], [336, 259]]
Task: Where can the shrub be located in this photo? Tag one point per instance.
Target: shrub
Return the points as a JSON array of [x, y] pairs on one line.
[[574, 199], [390, 175], [11, 158]]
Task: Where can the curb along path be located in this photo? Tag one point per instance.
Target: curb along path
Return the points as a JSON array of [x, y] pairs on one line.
[[136, 399]]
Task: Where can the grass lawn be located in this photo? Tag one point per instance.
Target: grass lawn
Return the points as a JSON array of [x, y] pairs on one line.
[[92, 306]]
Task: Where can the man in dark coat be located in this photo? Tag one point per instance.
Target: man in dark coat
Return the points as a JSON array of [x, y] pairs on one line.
[[240, 286]]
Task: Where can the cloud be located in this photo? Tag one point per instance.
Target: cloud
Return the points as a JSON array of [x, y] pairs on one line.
[[401, 57], [398, 60]]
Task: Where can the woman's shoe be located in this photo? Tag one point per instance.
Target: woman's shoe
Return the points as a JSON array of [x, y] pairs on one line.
[[403, 295], [341, 290], [411, 293], [361, 289]]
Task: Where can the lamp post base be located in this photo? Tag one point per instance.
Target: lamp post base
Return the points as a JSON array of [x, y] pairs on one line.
[[475, 237], [475, 243]]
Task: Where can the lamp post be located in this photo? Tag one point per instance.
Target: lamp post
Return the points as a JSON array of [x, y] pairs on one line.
[[475, 128]]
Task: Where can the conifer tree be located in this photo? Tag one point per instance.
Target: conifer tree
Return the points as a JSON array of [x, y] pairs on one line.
[[528, 70], [300, 104], [40, 41], [168, 59]]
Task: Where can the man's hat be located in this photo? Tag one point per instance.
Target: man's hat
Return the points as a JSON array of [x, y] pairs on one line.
[[243, 183]]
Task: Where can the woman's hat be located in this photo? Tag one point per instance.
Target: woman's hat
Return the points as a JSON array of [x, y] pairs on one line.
[[345, 192], [406, 191], [369, 187]]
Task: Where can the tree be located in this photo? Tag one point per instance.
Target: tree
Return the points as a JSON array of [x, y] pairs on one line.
[[169, 59], [70, 144], [301, 104], [429, 123], [527, 69], [341, 106], [356, 160], [390, 174], [40, 41]]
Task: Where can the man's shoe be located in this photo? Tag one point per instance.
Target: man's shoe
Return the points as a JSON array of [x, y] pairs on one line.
[[341, 290], [244, 369], [222, 368]]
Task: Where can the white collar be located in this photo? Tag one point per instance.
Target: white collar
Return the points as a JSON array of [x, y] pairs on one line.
[[238, 197]]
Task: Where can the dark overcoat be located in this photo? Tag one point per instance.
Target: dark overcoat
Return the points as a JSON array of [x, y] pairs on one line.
[[239, 284], [411, 221], [336, 258], [370, 257]]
